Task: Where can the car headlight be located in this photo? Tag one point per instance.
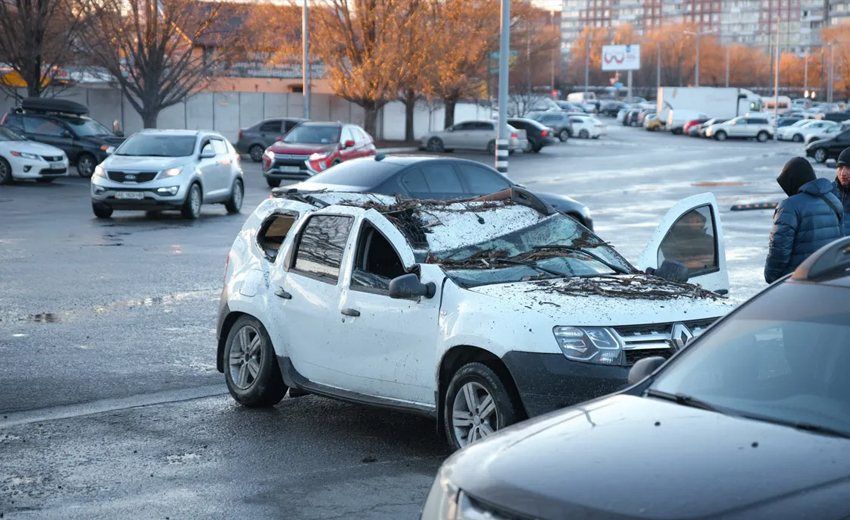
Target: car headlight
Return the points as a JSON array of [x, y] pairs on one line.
[[99, 172], [269, 154], [596, 345], [319, 156], [25, 155], [441, 503], [171, 172]]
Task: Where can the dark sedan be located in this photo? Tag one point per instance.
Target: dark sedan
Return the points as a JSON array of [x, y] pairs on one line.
[[538, 135], [751, 421], [829, 148], [426, 177]]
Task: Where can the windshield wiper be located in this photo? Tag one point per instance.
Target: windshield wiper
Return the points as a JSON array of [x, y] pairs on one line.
[[533, 265], [799, 425], [686, 400], [570, 249]]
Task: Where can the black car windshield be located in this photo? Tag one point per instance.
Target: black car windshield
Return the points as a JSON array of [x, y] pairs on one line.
[[313, 134], [88, 127], [784, 357], [158, 145], [554, 247], [9, 135]]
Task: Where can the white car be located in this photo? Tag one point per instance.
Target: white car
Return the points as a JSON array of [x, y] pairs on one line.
[[24, 159], [587, 127], [826, 132], [476, 313], [798, 134], [743, 127]]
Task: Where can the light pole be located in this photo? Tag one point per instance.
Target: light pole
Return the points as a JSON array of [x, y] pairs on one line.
[[305, 60], [588, 42], [776, 81], [552, 76], [727, 65], [806, 75], [504, 51], [697, 34]]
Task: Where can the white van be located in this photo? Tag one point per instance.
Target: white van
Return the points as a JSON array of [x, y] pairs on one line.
[[767, 104], [581, 97], [676, 119]]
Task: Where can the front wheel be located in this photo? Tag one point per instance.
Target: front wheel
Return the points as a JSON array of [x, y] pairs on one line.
[[563, 135], [5, 172], [192, 205], [85, 165], [101, 210], [762, 137], [797, 138], [237, 193], [252, 375], [435, 144], [477, 405], [720, 136], [584, 134], [820, 155]]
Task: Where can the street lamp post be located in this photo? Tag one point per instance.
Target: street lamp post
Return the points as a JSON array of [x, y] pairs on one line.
[[727, 65], [697, 34], [306, 60], [588, 42], [504, 51]]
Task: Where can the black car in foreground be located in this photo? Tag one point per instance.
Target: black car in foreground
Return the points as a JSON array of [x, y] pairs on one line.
[[426, 177], [824, 149], [750, 421], [538, 135], [63, 123]]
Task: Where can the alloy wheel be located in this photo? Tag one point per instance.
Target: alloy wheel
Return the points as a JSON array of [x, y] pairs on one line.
[[474, 414], [245, 357], [5, 172], [85, 166], [256, 153]]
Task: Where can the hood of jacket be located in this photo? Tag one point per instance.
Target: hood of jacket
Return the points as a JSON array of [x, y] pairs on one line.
[[816, 187], [796, 173]]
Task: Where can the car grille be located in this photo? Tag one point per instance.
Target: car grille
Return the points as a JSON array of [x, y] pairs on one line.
[[283, 159], [131, 176], [57, 171], [642, 341], [52, 158]]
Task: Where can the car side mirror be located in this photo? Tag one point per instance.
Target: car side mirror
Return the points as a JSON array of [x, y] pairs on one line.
[[347, 144], [643, 368], [408, 286], [119, 133], [207, 153], [66, 134], [671, 271]]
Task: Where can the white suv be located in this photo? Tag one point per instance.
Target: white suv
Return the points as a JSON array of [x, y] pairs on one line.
[[477, 313], [744, 127]]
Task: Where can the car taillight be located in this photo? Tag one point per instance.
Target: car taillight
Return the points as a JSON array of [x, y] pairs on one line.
[[514, 136], [544, 133], [3, 122], [240, 134]]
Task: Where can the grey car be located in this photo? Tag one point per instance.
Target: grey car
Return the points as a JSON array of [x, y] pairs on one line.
[[557, 121], [256, 138], [471, 135], [169, 169]]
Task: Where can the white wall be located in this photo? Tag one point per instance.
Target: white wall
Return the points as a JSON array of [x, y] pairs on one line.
[[391, 122]]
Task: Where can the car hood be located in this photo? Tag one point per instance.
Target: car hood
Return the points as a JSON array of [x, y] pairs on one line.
[[153, 164], [821, 143], [300, 148], [631, 457], [109, 140], [609, 301], [31, 147]]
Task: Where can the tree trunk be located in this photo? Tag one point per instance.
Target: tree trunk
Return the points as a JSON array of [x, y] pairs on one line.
[[409, 108], [33, 80], [449, 103], [680, 70], [370, 123], [149, 118]]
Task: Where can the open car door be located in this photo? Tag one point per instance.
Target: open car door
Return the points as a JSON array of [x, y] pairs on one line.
[[690, 233]]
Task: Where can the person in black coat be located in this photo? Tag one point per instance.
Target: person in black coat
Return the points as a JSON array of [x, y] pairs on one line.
[[810, 218], [841, 186]]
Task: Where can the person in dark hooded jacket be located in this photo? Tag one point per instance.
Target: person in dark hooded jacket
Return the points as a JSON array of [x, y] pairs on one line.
[[807, 220], [841, 186]]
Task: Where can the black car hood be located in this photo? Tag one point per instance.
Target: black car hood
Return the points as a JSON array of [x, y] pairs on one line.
[[630, 457]]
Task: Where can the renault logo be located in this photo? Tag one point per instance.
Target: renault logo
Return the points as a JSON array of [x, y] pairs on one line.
[[680, 336]]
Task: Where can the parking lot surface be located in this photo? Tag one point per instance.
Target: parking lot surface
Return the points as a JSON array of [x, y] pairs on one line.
[[111, 404]]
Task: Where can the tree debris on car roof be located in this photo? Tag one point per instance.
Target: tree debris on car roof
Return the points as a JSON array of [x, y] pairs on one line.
[[633, 287]]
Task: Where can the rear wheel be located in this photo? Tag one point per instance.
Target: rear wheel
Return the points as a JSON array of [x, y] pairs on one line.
[[237, 193], [477, 404], [192, 205], [85, 165], [491, 147], [101, 210], [435, 144], [563, 135], [762, 137], [273, 183], [720, 136], [256, 153], [5, 172], [820, 155], [797, 138], [252, 374], [529, 147]]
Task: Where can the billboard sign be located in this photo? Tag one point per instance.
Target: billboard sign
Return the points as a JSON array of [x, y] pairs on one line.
[[620, 57]]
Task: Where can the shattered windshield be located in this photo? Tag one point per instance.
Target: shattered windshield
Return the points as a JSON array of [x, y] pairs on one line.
[[554, 247]]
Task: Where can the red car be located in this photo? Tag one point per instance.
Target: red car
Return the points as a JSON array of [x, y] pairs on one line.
[[310, 148], [689, 124]]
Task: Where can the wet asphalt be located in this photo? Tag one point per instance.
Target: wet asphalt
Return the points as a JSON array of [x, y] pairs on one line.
[[111, 405]]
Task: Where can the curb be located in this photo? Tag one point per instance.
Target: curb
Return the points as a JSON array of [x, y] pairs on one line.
[[409, 149]]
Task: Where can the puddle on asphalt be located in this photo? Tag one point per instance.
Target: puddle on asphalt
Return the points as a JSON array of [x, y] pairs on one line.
[[44, 317]]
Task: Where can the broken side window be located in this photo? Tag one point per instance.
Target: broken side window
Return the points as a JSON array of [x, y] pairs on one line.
[[376, 263], [322, 245], [691, 241], [272, 234]]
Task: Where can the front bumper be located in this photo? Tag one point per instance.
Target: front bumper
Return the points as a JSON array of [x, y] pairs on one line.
[[104, 191], [548, 382], [37, 168]]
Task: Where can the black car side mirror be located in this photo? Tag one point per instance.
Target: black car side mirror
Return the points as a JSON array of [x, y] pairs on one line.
[[66, 134], [119, 133], [643, 368], [671, 271], [408, 286]]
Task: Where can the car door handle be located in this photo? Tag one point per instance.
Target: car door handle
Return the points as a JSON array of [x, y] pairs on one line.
[[282, 294], [350, 312]]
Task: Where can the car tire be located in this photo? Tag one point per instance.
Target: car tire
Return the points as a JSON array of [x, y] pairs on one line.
[[563, 135], [474, 382], [584, 134], [720, 136], [336, 161], [491, 147], [86, 164], [5, 172], [251, 371], [821, 155], [237, 193], [191, 208], [273, 183], [797, 138], [256, 153], [762, 137], [101, 210], [435, 144], [45, 180]]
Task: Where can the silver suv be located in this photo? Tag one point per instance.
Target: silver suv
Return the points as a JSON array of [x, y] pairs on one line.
[[169, 169], [744, 127]]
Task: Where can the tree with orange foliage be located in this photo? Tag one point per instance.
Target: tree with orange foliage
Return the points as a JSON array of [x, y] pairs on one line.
[[839, 38]]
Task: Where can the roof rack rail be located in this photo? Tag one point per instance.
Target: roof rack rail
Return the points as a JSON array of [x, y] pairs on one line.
[[827, 263]]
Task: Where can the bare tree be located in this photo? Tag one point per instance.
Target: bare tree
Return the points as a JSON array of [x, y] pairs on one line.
[[159, 51], [36, 39]]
